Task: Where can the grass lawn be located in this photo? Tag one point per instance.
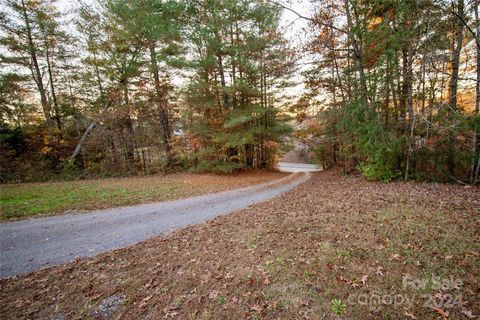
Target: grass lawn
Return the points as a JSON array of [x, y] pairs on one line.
[[377, 250], [24, 200]]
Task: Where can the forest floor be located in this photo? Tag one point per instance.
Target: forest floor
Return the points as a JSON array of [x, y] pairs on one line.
[[32, 199], [383, 251]]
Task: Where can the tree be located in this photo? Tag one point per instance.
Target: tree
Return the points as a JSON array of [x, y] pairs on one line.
[[475, 168], [231, 97], [13, 94], [453, 86], [156, 27], [397, 67], [27, 30]]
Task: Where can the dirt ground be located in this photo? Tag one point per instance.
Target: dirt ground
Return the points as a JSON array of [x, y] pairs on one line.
[[378, 250]]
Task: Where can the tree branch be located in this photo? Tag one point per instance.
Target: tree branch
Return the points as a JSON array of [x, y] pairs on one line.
[[313, 20], [462, 20]]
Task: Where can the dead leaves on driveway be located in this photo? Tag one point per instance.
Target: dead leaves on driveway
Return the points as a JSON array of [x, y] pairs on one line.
[[333, 237]]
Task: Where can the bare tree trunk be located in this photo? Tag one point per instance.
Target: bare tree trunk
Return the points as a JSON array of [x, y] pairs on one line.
[[477, 171], [422, 84], [387, 93], [454, 85], [394, 90], [89, 129], [405, 86], [234, 70], [97, 74], [411, 115], [37, 75], [161, 105], [130, 138], [56, 109], [357, 56], [475, 147], [333, 84], [222, 80], [410, 148], [340, 84]]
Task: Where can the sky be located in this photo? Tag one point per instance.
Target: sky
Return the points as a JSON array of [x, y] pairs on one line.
[[296, 32], [293, 27]]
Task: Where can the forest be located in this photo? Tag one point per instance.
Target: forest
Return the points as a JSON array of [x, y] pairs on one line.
[[126, 87], [239, 159]]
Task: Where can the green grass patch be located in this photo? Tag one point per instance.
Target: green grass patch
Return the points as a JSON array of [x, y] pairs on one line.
[[27, 200], [19, 201]]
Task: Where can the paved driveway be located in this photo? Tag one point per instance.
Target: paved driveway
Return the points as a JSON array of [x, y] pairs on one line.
[[30, 245], [297, 167]]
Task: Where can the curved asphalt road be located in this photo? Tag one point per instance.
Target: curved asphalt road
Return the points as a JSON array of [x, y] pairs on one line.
[[298, 167], [34, 244]]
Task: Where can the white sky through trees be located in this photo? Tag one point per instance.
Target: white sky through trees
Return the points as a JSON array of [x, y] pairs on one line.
[[294, 28]]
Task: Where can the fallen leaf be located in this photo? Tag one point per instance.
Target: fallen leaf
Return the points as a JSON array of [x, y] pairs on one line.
[[213, 295], [345, 280], [411, 316], [394, 257], [256, 307], [441, 312], [144, 302], [318, 289], [468, 313], [18, 303], [380, 271], [148, 284], [171, 314], [364, 279]]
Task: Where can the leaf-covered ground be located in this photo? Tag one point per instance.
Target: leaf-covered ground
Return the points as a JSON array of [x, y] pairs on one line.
[[24, 200], [333, 237]]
